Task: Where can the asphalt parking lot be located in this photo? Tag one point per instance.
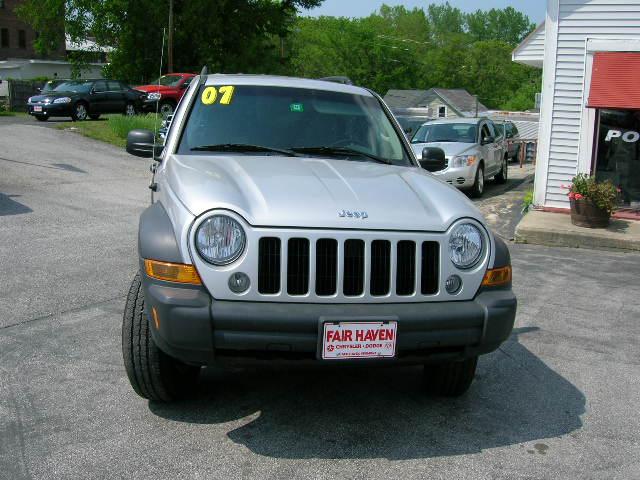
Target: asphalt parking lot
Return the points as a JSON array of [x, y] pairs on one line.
[[558, 400]]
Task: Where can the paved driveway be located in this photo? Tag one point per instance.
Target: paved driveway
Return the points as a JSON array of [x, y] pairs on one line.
[[558, 400]]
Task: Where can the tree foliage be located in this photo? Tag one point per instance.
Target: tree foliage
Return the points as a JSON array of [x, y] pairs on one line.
[[396, 47], [228, 35], [417, 49]]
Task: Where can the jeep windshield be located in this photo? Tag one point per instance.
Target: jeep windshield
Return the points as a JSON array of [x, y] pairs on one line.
[[446, 132], [301, 122]]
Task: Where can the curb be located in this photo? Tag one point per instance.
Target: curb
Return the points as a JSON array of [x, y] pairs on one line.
[[556, 230]]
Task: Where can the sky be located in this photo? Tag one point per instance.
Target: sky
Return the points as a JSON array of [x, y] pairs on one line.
[[535, 9]]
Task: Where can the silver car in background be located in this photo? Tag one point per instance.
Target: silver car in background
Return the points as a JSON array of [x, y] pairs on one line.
[[473, 151]]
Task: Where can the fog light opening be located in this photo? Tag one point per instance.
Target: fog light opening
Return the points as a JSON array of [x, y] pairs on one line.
[[453, 284], [239, 282]]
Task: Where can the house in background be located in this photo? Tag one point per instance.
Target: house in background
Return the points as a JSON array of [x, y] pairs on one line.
[[436, 102], [590, 111], [19, 60]]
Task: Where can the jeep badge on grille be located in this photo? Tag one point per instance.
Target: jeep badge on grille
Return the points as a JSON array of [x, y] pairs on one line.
[[353, 214]]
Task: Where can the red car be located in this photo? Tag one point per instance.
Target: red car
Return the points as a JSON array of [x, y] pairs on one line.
[[165, 93]]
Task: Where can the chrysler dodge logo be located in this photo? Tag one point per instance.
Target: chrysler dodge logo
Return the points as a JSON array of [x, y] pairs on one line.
[[352, 214]]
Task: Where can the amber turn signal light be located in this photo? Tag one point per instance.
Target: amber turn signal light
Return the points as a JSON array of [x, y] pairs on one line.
[[172, 272], [497, 276]]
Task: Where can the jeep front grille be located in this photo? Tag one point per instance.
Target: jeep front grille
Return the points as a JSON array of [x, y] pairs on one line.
[[269, 265], [297, 266], [350, 268], [353, 269]]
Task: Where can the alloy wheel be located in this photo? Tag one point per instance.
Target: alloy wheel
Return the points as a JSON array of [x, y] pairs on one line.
[[166, 109], [81, 112]]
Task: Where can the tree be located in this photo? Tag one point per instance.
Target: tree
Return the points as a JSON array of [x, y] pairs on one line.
[[229, 35], [507, 25], [417, 49]]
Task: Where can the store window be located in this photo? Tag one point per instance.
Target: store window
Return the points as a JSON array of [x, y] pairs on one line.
[[618, 153]]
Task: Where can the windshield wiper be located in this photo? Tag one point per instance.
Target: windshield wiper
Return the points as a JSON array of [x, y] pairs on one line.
[[242, 147], [340, 151]]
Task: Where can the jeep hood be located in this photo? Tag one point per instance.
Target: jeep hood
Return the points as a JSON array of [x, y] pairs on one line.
[[450, 148], [311, 192]]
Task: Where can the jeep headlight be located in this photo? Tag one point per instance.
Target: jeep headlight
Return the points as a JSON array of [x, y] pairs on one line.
[[463, 161], [220, 240], [465, 245], [62, 100], [154, 96]]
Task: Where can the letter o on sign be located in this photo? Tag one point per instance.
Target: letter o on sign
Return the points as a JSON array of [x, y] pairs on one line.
[[631, 137]]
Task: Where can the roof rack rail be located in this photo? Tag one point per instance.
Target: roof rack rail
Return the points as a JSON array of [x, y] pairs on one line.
[[203, 75], [342, 80]]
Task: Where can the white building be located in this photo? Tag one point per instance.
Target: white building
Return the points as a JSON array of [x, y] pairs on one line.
[[28, 68], [590, 114]]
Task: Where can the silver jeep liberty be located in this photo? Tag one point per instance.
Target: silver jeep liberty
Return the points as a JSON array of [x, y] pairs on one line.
[[290, 221]]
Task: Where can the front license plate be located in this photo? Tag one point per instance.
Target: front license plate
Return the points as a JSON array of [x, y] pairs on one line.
[[342, 340], [37, 108]]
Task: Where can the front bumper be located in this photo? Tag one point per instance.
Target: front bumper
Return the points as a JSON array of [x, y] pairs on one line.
[[149, 106], [51, 109], [196, 329], [462, 177]]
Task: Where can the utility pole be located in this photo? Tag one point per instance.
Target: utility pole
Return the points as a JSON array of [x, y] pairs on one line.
[[170, 41], [476, 97]]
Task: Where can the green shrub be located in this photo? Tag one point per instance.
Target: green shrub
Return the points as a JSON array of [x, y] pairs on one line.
[[121, 125], [527, 201]]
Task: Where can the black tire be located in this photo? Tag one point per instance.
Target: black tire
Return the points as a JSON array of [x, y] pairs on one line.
[[94, 116], [166, 108], [504, 171], [152, 373], [80, 112], [478, 185], [42, 118], [450, 379]]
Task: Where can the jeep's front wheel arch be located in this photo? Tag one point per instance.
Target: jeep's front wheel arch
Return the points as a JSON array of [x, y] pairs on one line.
[[156, 236]]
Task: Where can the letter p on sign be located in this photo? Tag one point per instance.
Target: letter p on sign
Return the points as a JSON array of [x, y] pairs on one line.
[[612, 134]]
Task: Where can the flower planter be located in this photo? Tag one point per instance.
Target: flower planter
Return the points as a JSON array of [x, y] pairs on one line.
[[586, 214]]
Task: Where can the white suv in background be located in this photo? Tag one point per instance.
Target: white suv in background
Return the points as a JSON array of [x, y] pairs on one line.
[[473, 151]]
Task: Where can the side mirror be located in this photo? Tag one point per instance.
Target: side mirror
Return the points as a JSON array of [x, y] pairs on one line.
[[433, 159], [141, 143], [487, 140]]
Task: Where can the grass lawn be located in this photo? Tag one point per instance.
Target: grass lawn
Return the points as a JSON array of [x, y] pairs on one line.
[[6, 113], [112, 129]]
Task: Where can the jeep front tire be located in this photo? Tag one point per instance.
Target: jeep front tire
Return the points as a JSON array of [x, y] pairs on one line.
[[450, 379], [153, 374]]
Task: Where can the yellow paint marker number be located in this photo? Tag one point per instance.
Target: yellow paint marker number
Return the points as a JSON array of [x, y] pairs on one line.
[[227, 94], [210, 95]]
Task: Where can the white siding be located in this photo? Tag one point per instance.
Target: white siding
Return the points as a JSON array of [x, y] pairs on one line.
[[531, 50], [577, 21]]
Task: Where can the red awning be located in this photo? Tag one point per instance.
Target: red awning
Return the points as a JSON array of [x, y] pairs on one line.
[[615, 81]]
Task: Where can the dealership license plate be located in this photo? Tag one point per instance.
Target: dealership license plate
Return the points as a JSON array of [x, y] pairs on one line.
[[37, 108], [343, 340]]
